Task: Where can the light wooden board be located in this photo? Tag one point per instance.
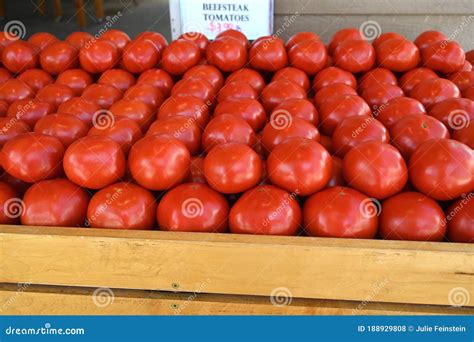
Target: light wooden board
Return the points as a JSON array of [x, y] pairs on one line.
[[303, 267]]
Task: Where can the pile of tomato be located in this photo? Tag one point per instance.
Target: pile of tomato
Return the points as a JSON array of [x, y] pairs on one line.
[[354, 139]]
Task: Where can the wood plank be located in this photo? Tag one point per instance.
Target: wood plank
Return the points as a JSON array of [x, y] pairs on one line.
[[384, 271], [60, 300]]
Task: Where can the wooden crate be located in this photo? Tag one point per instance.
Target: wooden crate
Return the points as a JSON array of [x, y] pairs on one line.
[[46, 270]]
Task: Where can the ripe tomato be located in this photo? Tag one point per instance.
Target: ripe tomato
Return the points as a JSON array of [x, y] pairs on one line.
[[283, 126], [354, 130], [397, 54], [124, 131], [411, 216], [29, 111], [56, 202], [333, 75], [248, 109], [32, 157], [227, 128], [207, 72], [299, 165], [332, 90], [376, 169], [158, 162], [432, 91], [340, 212], [428, 38], [377, 76], [157, 78], [354, 56], [268, 55], [193, 207], [55, 94], [98, 56], [465, 134], [468, 93], [227, 53], [453, 113], [236, 90], [135, 110], [278, 91], [336, 178], [299, 37], [250, 76], [67, 128], [15, 89], [119, 38], [94, 162], [36, 79], [300, 108], [308, 55], [181, 128], [188, 106], [145, 93], [342, 36], [265, 210], [78, 39], [410, 79], [122, 206], [446, 57], [337, 108], [103, 95], [155, 37], [140, 55], [197, 38], [58, 57], [10, 204], [41, 40], [236, 35], [11, 128], [76, 79], [378, 95], [5, 75], [442, 169], [3, 108], [470, 56], [412, 130], [80, 108], [19, 56], [197, 87], [120, 79], [294, 75], [460, 217], [180, 56], [232, 168], [462, 79], [389, 113], [386, 36]]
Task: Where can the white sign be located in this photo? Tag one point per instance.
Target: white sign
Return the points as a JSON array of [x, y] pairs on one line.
[[252, 17]]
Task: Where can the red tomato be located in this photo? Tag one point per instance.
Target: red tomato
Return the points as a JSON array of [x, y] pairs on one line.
[[279, 91], [158, 162], [80, 108], [299, 37], [55, 94], [434, 160], [446, 57], [156, 38], [11, 128], [397, 54], [342, 36], [377, 76], [354, 56], [29, 111], [236, 35], [340, 212], [227, 53], [354, 130], [180, 56], [188, 106], [58, 57], [19, 56], [462, 79], [120, 79], [248, 109], [193, 207], [378, 95], [299, 165], [146, 93], [98, 56], [78, 39], [119, 38], [309, 55], [468, 93], [15, 89], [411, 216], [94, 162], [294, 75], [5, 75], [300, 108], [181, 128], [232, 168], [36, 79], [236, 90], [337, 108], [410, 79], [103, 95], [124, 131], [227, 128], [460, 217], [157, 78], [41, 40], [56, 202], [207, 72], [140, 55], [336, 178], [3, 108], [265, 210], [465, 134], [428, 38], [332, 90], [432, 91], [197, 38], [122, 206], [76, 79], [32, 157], [252, 77], [11, 207], [333, 75], [135, 110], [376, 169], [17, 184], [389, 113], [197, 87], [196, 174], [67, 128], [412, 130], [386, 36], [268, 55], [470, 56]]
